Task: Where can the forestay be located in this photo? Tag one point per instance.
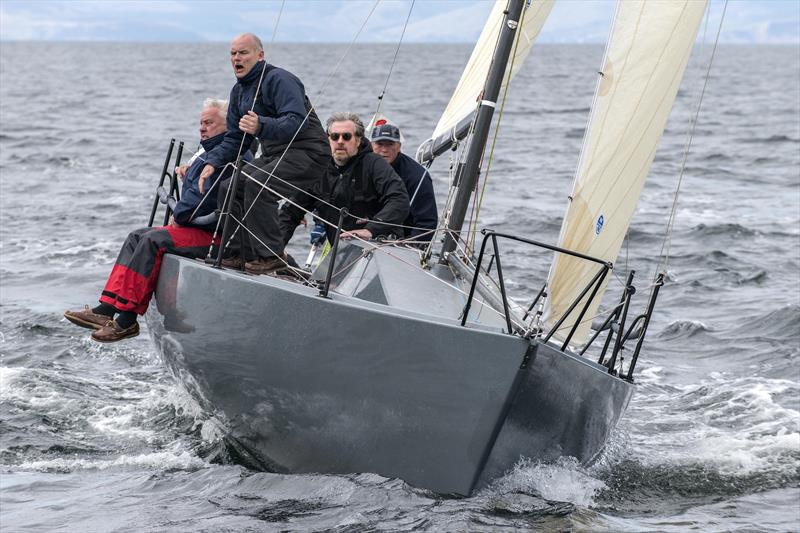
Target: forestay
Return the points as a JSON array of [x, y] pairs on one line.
[[467, 94], [645, 59]]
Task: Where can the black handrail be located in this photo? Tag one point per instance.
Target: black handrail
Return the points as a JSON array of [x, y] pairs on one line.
[[627, 294], [648, 314], [161, 183], [502, 284], [226, 212], [323, 292], [596, 282], [535, 301], [173, 182]]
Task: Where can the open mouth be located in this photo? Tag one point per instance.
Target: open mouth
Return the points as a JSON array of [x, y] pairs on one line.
[[238, 68]]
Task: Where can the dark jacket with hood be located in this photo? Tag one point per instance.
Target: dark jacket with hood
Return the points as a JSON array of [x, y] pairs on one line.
[[366, 185], [282, 106], [190, 193], [191, 196]]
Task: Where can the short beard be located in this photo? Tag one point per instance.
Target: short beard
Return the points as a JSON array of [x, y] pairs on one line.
[[341, 162]]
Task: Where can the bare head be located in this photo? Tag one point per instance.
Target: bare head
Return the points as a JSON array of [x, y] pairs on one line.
[[345, 131], [212, 118], [246, 51]]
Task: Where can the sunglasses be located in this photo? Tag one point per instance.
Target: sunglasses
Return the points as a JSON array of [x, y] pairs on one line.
[[335, 136]]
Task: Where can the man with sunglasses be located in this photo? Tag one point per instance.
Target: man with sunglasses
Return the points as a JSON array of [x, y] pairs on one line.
[[270, 104], [357, 179]]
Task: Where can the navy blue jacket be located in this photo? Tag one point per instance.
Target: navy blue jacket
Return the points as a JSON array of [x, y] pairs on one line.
[[282, 106], [423, 215], [190, 193]]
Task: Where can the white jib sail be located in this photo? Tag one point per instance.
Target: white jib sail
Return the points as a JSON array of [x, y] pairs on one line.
[[466, 95], [645, 58]]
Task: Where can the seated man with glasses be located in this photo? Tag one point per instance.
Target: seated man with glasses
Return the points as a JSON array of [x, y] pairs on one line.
[[357, 179]]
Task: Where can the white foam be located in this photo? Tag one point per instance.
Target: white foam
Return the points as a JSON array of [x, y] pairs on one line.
[[8, 378], [735, 426], [564, 481], [149, 461]]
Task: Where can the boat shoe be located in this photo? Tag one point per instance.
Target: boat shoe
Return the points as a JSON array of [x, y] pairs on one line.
[[232, 262], [264, 265], [111, 332], [86, 318]]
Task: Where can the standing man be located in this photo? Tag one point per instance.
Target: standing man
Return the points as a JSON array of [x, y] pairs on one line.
[[356, 178], [133, 279], [423, 215], [293, 149]]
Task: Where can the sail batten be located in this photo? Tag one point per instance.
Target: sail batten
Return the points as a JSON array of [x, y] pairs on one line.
[[644, 63]]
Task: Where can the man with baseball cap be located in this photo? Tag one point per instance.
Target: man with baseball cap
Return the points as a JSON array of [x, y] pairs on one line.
[[423, 216]]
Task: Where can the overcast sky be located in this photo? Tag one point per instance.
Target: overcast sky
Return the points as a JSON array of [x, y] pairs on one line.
[[746, 21]]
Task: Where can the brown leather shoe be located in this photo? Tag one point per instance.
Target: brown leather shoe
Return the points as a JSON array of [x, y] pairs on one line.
[[111, 332], [264, 265], [87, 319], [233, 262]]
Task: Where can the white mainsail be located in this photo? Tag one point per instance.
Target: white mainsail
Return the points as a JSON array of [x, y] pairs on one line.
[[465, 97], [645, 58]]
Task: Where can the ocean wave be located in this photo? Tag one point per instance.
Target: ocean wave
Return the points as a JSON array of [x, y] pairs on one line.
[[562, 481], [684, 329], [771, 139], [782, 323], [150, 461], [716, 230], [716, 156], [747, 427], [639, 487]]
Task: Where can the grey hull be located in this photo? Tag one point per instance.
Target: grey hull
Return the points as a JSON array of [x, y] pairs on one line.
[[345, 384]]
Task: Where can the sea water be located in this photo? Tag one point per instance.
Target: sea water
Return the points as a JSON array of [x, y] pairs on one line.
[[101, 438]]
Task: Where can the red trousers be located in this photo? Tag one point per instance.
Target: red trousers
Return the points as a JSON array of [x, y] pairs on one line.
[[135, 274]]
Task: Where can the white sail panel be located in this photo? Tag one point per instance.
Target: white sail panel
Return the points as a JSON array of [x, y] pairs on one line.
[[645, 58], [465, 97]]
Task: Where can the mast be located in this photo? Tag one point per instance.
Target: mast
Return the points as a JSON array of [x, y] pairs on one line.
[[467, 176]]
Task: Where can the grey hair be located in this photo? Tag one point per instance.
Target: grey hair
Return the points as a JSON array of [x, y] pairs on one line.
[[259, 45], [221, 105], [344, 116]]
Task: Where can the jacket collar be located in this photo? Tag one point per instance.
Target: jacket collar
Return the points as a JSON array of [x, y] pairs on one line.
[[254, 74], [211, 142]]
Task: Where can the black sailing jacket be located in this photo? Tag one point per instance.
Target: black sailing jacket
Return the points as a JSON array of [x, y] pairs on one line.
[[366, 185]]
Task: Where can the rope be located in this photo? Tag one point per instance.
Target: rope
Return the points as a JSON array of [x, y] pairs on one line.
[[394, 60], [667, 242]]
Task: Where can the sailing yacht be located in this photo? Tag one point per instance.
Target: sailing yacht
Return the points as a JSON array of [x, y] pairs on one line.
[[428, 370]]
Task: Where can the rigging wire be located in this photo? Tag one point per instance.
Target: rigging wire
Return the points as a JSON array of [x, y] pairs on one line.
[[244, 137], [319, 94], [667, 242], [394, 60]]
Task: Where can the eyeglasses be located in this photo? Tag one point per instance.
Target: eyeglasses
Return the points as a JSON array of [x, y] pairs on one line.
[[346, 136]]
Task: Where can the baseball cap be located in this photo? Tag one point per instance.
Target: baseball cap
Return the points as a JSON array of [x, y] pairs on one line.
[[385, 131]]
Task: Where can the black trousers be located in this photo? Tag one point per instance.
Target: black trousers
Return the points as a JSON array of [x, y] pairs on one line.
[[263, 238]]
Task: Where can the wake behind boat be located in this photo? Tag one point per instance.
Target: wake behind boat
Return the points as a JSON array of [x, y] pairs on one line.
[[426, 369]]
